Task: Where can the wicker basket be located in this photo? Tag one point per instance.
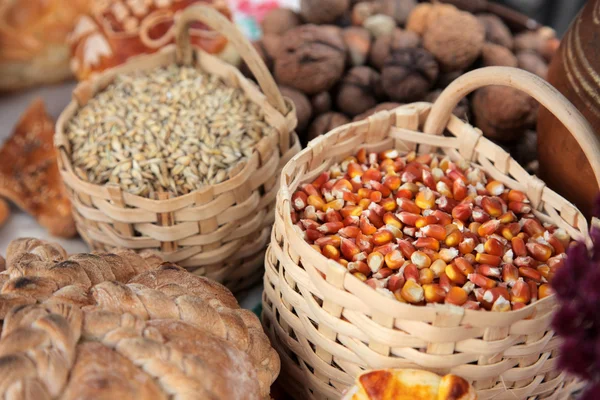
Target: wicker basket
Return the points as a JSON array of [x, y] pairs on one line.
[[328, 326], [220, 231]]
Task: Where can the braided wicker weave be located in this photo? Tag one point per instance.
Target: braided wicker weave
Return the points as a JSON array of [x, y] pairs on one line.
[[328, 326], [219, 231]]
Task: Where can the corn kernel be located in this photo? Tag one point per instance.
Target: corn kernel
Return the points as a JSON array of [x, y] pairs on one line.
[[457, 296], [420, 259], [412, 292]]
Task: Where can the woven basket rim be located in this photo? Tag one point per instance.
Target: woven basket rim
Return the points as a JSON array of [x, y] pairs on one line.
[[285, 201], [233, 75]]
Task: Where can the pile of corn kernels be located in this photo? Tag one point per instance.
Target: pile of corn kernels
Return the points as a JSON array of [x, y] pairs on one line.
[[424, 229]]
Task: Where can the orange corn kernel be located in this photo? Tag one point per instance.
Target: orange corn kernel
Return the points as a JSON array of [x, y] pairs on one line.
[[488, 228], [474, 227], [434, 231], [533, 289], [453, 238], [349, 249], [545, 290], [299, 200], [490, 259], [386, 248], [408, 206], [438, 267], [517, 195], [556, 244], [470, 258], [330, 227], [420, 259], [358, 266], [364, 242], [411, 272], [388, 204], [371, 174], [489, 271], [361, 156], [511, 230], [406, 248], [493, 246], [518, 246], [519, 207], [316, 201], [467, 245], [407, 218], [380, 187], [364, 203], [532, 227], [507, 217], [462, 211], [366, 226], [396, 282], [445, 282], [394, 259], [447, 255], [539, 251], [425, 220], [321, 179], [364, 193], [495, 188], [375, 196], [313, 234], [333, 216], [482, 281], [455, 275], [464, 266], [375, 261], [501, 305], [459, 189], [427, 242], [544, 270], [492, 206], [530, 273], [336, 205], [443, 218], [428, 180], [354, 211], [330, 251], [310, 190], [360, 276], [426, 276], [520, 292], [443, 189], [455, 174], [457, 296], [392, 182], [333, 240], [382, 237], [424, 158], [425, 199], [434, 293], [412, 292], [391, 219]]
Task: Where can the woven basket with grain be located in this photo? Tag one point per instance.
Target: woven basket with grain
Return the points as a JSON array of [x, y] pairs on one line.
[[219, 231], [329, 326]]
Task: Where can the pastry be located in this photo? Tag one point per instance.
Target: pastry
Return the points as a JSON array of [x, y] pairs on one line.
[[121, 325], [29, 174], [33, 42], [115, 30], [409, 384]]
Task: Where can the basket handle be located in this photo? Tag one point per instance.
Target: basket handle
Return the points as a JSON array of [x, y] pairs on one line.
[[529, 83], [212, 18]]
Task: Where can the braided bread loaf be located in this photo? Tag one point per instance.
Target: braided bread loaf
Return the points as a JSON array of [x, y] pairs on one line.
[[124, 325]]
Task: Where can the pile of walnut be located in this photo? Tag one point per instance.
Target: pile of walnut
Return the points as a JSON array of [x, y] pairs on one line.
[[340, 61], [428, 230]]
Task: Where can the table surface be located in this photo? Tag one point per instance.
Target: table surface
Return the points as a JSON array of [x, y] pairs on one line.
[[21, 224]]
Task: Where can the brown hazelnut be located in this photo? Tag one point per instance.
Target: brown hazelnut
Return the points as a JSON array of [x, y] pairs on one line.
[[461, 110], [496, 30], [357, 92], [358, 42], [408, 74], [322, 12], [533, 63], [302, 105], [311, 58], [379, 24], [279, 20], [455, 40], [397, 9], [446, 78], [325, 123], [425, 13], [361, 11], [543, 41], [267, 48], [321, 103], [502, 113], [494, 54], [385, 44], [379, 107]]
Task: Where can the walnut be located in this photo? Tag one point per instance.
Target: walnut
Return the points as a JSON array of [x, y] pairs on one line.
[[358, 91], [533, 63], [322, 12], [267, 48], [358, 42], [302, 105], [543, 41], [379, 107], [397, 9], [325, 123], [386, 44], [279, 20], [461, 110], [408, 74], [311, 58], [494, 54], [425, 13], [379, 24], [503, 113], [361, 11], [321, 103], [455, 40], [496, 31]]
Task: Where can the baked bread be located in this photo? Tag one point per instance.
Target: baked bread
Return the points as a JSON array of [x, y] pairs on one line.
[[409, 384], [29, 175], [33, 44], [111, 326], [115, 30]]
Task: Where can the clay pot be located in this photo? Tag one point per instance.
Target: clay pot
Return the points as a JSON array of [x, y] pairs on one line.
[[573, 72]]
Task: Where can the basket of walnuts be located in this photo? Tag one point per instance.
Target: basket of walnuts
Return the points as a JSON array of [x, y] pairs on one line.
[[176, 151], [395, 246]]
